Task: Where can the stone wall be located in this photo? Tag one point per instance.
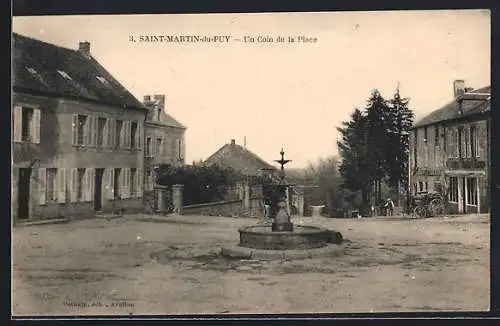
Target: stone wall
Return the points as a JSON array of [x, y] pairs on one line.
[[251, 204], [228, 208]]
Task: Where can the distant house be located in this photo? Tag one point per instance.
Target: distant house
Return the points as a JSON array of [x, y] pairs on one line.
[[77, 134], [450, 151], [164, 138], [240, 159]]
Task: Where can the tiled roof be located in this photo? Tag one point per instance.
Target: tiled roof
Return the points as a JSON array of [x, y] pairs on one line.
[[43, 67], [238, 158], [473, 102]]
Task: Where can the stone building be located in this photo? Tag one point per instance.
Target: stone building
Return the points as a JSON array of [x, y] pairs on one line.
[[77, 135], [240, 159], [450, 151], [164, 141]]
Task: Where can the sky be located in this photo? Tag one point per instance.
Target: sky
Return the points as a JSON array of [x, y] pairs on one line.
[[279, 94]]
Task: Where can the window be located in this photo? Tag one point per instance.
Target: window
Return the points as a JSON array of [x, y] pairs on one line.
[[159, 147], [148, 147], [426, 147], [179, 149], [455, 141], [101, 124], [27, 124], [64, 74], [436, 135], [82, 122], [415, 143], [51, 185], [453, 191], [133, 134], [148, 179], [445, 138], [437, 187], [158, 114], [32, 71], [466, 142], [118, 132], [133, 176], [471, 191], [474, 142], [79, 184], [459, 142], [102, 80], [116, 183], [421, 186]]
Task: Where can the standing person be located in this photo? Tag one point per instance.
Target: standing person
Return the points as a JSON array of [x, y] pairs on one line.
[[389, 205]]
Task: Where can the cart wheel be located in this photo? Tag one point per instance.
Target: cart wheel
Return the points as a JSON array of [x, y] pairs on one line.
[[436, 207], [420, 211]]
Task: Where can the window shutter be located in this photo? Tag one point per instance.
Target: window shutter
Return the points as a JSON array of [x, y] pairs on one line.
[[182, 149], [85, 185], [89, 128], [139, 135], [110, 183], [128, 131], [105, 134], [61, 186], [36, 126], [86, 131], [94, 130], [109, 132], [122, 135], [140, 177], [479, 148], [42, 179], [124, 141], [91, 184], [75, 129], [173, 144], [126, 183], [122, 184], [73, 185], [18, 117]]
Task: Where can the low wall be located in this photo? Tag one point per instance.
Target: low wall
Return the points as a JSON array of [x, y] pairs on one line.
[[85, 209], [221, 208]]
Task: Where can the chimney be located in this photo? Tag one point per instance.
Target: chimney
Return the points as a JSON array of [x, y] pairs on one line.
[[233, 142], [458, 87], [84, 48], [159, 100]]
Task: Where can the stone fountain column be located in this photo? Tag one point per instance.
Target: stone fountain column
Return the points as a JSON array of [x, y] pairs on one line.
[[282, 219]]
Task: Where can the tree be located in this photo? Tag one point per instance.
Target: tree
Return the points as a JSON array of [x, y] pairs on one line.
[[354, 150], [374, 146], [378, 127], [401, 118], [202, 183]]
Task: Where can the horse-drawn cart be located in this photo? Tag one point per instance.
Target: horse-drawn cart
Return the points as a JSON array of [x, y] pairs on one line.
[[428, 204]]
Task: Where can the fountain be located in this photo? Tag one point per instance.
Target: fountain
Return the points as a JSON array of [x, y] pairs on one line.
[[283, 239]]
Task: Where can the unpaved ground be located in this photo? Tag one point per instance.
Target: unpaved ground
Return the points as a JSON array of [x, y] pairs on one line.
[[107, 267]]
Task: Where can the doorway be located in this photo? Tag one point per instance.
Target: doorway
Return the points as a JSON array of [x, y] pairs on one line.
[[23, 209], [98, 189]]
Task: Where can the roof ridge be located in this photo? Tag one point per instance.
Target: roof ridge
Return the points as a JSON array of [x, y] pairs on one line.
[[44, 42]]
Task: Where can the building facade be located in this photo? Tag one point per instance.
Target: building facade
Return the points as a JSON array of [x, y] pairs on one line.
[[450, 151], [77, 135], [164, 139]]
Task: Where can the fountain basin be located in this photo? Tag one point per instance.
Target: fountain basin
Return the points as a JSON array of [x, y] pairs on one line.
[[302, 237]]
